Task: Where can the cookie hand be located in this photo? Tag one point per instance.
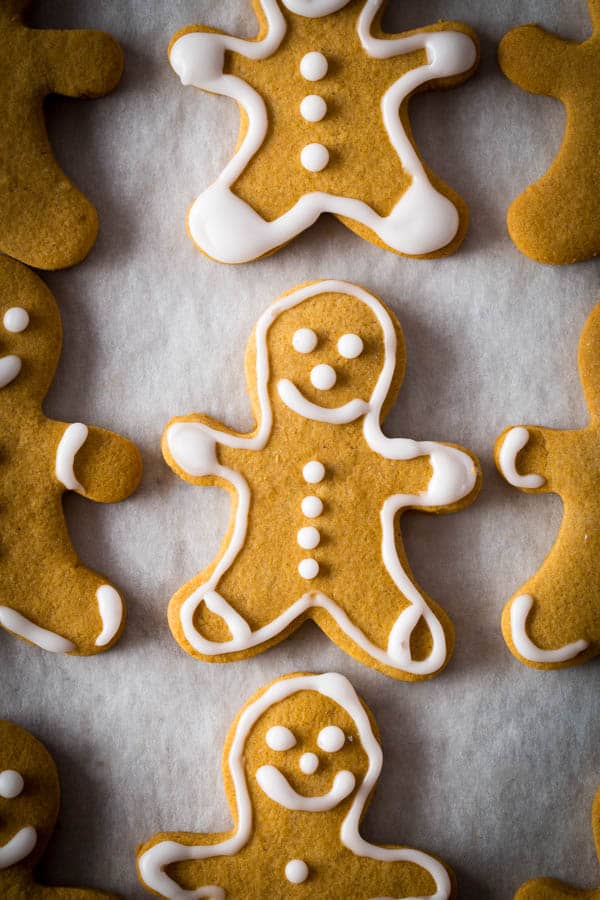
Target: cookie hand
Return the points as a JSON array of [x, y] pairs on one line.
[[82, 63]]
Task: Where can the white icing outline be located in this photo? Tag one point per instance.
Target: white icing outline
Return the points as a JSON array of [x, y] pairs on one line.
[[18, 848], [17, 624], [454, 477], [519, 611], [336, 687], [513, 443], [110, 607], [71, 442], [229, 230], [10, 366]]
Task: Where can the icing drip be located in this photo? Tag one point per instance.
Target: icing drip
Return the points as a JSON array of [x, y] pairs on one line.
[[313, 108], [331, 739], [10, 366], [110, 607], [513, 443], [519, 612], [296, 871], [71, 442], [11, 784], [314, 157], [16, 319], [229, 230], [153, 862], [280, 738], [18, 848], [47, 640], [313, 66]]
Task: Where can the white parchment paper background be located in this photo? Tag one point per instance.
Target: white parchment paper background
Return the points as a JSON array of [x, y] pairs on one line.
[[492, 766]]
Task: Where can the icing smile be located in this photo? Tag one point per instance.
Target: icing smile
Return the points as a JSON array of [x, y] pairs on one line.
[[295, 400], [18, 848], [277, 788], [10, 366]]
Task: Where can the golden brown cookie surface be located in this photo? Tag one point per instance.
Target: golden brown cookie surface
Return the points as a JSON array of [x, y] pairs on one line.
[[29, 800], [46, 595], [554, 618], [45, 221], [550, 888], [317, 491], [323, 94], [300, 764], [557, 219]]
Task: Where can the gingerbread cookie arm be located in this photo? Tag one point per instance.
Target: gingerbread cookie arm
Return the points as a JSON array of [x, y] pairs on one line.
[[178, 864], [97, 463], [534, 59], [526, 457], [81, 63]]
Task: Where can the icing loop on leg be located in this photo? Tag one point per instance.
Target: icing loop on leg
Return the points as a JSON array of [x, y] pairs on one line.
[[519, 613]]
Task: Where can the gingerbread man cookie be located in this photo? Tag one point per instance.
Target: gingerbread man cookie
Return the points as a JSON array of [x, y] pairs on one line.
[[44, 220], [317, 492], [300, 764], [557, 219], [47, 596], [323, 94], [550, 888], [29, 800], [554, 618]]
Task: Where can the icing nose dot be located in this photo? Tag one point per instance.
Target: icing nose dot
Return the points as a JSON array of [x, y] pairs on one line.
[[313, 66], [11, 784], [16, 319], [314, 157], [309, 763], [323, 377], [296, 871]]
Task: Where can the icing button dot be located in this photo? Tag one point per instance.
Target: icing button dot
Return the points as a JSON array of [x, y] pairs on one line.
[[313, 472], [323, 377], [309, 537], [308, 569], [313, 108], [314, 157], [309, 763], [296, 871], [312, 507], [11, 784], [313, 66], [16, 319]]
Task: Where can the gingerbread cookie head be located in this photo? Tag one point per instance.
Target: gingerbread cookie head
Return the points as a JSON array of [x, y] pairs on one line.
[[29, 798], [306, 745], [320, 369], [300, 764], [31, 338]]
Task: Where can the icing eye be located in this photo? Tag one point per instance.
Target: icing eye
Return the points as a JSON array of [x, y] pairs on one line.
[[331, 739], [304, 340], [350, 346], [16, 319], [11, 784], [280, 738]]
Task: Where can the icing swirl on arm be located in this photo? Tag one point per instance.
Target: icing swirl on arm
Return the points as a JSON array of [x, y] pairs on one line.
[[513, 443], [519, 612]]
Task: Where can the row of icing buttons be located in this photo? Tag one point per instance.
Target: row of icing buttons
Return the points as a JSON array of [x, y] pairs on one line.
[[313, 108], [309, 537]]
